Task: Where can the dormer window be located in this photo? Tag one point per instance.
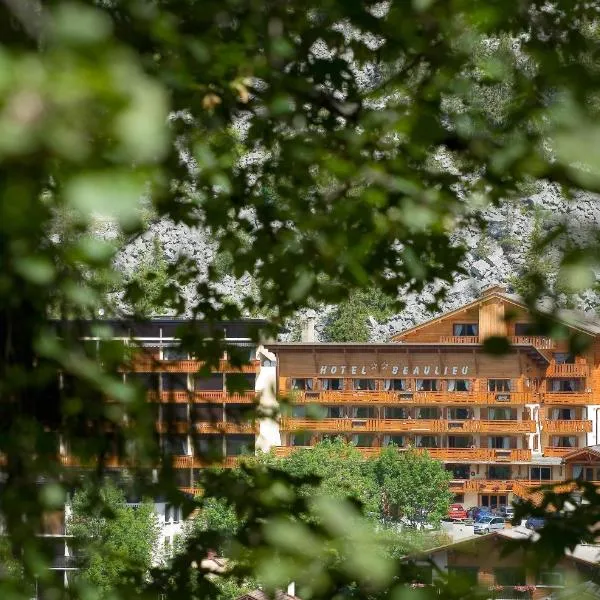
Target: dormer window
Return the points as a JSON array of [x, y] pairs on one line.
[[465, 329]]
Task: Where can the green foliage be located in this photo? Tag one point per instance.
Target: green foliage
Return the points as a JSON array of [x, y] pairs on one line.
[[114, 542], [414, 484], [349, 321]]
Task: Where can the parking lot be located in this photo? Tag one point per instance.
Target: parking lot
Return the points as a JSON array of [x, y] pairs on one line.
[[460, 531]]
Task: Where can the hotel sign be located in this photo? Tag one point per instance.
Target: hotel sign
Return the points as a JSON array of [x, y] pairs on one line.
[[388, 369]]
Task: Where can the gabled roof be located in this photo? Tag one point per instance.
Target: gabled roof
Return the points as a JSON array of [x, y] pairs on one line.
[[570, 318], [586, 453]]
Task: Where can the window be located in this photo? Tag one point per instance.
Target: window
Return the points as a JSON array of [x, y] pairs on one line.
[[583, 472], [465, 329], [394, 412], [362, 412], [427, 385], [499, 385], [364, 384], [458, 499], [428, 412], [550, 579], [176, 413], [563, 441], [501, 414], [566, 385], [299, 411], [466, 575], [460, 441], [174, 382], [562, 414], [541, 473], [510, 576], [459, 414], [458, 385], [499, 472], [396, 385], [427, 441], [396, 440], [524, 329], [237, 445], [332, 384], [562, 358], [175, 353], [334, 412], [458, 471], [175, 445], [212, 382], [363, 440], [499, 442], [301, 384], [493, 500], [147, 381], [167, 513]]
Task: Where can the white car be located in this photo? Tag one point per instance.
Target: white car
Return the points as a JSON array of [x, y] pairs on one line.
[[488, 524]]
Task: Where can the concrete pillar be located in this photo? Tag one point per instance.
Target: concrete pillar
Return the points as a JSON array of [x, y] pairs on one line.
[[269, 435], [477, 413], [593, 414]]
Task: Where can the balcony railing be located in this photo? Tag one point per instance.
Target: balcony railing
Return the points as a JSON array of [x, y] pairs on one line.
[[566, 398], [202, 397], [537, 341], [566, 426], [147, 365], [445, 454], [410, 425], [224, 427], [557, 451], [459, 339], [576, 369]]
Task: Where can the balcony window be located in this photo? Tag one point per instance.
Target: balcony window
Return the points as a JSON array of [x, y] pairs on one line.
[[237, 413], [395, 412], [242, 382], [396, 385], [209, 383], [332, 384], [540, 473], [562, 414], [396, 440], [145, 381], [300, 439], [584, 473], [465, 329], [460, 441], [363, 440], [174, 382], [239, 444], [525, 329], [175, 353], [510, 576], [566, 385], [459, 471], [175, 413], [208, 446], [458, 385], [299, 412], [564, 358], [428, 412], [499, 385], [362, 412], [564, 441], [499, 472], [427, 385], [427, 441], [176, 445], [553, 578], [301, 384], [334, 412], [464, 575], [206, 413], [364, 384], [502, 414], [459, 414], [499, 442]]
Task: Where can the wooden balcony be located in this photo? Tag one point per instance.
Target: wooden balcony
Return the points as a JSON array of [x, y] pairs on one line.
[[557, 451], [566, 426], [578, 369], [459, 339], [202, 397], [199, 462], [416, 426], [148, 365], [407, 397], [537, 341], [567, 398], [224, 427]]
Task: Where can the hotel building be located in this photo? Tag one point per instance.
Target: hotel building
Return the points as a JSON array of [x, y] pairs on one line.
[[500, 424]]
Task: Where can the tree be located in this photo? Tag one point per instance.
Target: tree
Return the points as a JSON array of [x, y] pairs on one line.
[[350, 319], [414, 484], [115, 543]]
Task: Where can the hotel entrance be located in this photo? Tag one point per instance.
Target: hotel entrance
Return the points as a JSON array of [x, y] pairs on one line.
[[493, 500]]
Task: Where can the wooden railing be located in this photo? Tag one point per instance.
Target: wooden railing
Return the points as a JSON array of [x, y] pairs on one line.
[[224, 427], [576, 369], [566, 398], [557, 451], [537, 341], [566, 426], [415, 426], [459, 339], [149, 365], [201, 397]]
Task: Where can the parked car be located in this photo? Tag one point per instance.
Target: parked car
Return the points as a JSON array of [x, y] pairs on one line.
[[456, 512], [488, 524], [508, 512], [535, 523], [477, 512]]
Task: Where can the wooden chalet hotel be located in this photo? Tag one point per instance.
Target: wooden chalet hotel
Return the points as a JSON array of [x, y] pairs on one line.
[[500, 424]]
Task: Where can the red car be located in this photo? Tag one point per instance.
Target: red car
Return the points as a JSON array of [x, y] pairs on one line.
[[456, 511]]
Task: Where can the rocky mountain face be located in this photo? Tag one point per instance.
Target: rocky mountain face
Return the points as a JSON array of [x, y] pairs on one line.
[[496, 256]]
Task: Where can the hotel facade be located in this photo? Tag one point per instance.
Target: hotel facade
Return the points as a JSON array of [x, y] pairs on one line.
[[501, 424]]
